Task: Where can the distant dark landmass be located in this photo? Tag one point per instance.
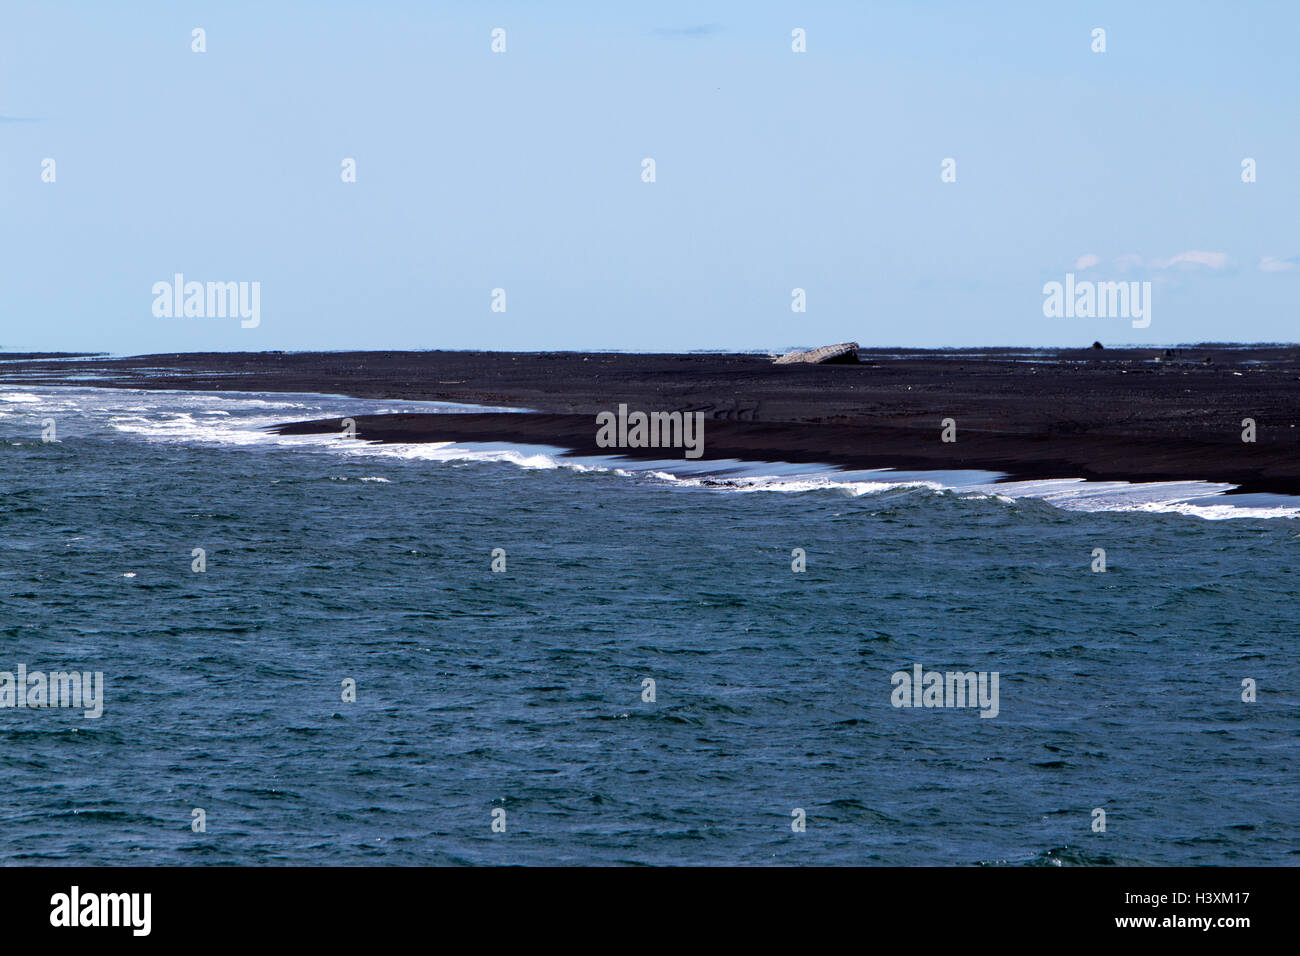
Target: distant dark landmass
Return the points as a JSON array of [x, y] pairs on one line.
[[24, 356], [1137, 414]]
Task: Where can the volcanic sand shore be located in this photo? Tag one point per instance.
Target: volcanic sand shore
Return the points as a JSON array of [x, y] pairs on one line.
[[1115, 414]]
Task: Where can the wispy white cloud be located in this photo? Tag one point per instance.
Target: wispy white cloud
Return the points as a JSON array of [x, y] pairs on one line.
[[1193, 257], [1274, 264], [1087, 261]]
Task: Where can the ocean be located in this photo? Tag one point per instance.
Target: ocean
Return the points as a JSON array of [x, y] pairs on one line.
[[339, 676]]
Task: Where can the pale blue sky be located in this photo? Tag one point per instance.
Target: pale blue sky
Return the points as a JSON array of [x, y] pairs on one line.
[[522, 170]]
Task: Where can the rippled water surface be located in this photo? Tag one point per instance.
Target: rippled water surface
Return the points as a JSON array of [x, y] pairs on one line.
[[330, 560]]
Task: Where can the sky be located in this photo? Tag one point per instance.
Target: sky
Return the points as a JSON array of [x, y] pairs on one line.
[[522, 170]]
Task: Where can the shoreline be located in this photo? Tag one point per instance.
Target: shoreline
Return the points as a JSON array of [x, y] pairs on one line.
[[1111, 415], [845, 448]]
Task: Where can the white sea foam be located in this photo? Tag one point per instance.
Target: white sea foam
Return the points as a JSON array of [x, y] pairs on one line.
[[242, 419]]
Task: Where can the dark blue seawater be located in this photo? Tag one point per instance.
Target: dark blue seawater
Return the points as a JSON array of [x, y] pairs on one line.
[[522, 690]]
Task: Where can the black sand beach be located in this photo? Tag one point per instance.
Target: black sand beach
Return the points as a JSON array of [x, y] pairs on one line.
[[1115, 414]]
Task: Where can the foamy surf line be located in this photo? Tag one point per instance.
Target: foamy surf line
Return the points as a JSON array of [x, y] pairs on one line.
[[1200, 499], [243, 419]]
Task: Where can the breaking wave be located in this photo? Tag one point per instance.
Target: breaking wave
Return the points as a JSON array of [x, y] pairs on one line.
[[242, 419]]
